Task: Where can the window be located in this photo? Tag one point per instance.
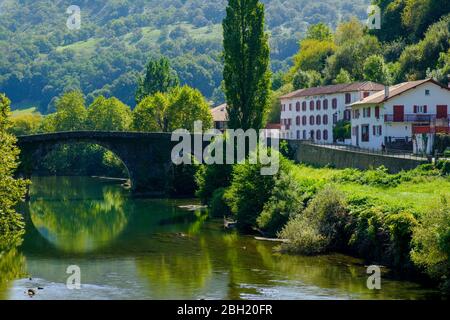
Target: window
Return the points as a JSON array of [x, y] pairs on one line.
[[366, 112], [290, 106], [311, 105], [365, 133], [318, 120], [297, 106], [311, 120], [420, 109], [297, 120], [377, 131], [366, 94], [325, 134], [319, 135], [298, 134], [304, 120], [318, 105], [347, 115], [325, 104], [304, 106], [304, 134], [282, 107], [334, 103], [311, 134], [377, 112], [325, 120], [335, 118], [427, 92], [348, 98]]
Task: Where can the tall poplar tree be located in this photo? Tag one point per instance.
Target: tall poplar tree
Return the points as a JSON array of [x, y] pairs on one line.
[[246, 64]]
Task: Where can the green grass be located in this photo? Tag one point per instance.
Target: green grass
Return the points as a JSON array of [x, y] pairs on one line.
[[419, 194]]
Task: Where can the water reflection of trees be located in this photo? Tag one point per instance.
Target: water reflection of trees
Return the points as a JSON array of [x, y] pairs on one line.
[[77, 219], [12, 264], [237, 266]]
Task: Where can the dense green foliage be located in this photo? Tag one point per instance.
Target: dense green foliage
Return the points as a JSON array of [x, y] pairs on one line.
[[159, 77], [12, 190], [246, 62], [40, 58]]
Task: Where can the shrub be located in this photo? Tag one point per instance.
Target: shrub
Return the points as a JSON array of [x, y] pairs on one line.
[[303, 237], [209, 178], [431, 243], [286, 201], [321, 226], [249, 191], [381, 232], [217, 205], [444, 167]]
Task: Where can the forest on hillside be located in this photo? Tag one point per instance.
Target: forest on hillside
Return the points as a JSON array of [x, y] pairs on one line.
[[40, 58]]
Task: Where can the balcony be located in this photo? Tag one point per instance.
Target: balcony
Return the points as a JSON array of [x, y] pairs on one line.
[[430, 129], [423, 118]]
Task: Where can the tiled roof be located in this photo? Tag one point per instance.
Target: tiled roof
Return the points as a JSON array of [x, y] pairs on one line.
[[394, 91], [337, 88], [219, 113]]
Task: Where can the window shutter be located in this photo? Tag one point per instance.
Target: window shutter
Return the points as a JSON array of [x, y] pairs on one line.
[[415, 109], [425, 109], [368, 112], [377, 112]]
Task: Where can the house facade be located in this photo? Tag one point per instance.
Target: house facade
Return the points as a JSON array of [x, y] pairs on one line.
[[220, 117], [405, 116], [311, 114]]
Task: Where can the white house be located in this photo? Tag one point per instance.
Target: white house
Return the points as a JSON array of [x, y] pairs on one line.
[[310, 114], [405, 116]]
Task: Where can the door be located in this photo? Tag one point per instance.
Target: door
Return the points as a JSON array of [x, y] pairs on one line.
[[399, 113], [441, 112]]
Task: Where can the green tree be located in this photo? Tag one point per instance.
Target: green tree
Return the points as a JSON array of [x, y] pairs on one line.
[[343, 77], [246, 62], [313, 54], [349, 31], [320, 32], [159, 77], [108, 115], [150, 115], [306, 79], [376, 70], [12, 190], [186, 106], [70, 113]]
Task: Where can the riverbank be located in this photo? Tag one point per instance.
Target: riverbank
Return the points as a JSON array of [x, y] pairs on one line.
[[397, 220]]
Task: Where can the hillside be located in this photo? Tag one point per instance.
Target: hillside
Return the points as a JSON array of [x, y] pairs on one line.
[[40, 57]]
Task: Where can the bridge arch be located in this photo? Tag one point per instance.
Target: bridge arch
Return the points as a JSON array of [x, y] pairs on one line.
[[145, 155]]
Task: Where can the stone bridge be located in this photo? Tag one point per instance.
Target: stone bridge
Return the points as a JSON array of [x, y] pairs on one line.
[[147, 156]]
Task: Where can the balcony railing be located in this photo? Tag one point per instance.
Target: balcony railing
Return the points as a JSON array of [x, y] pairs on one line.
[[426, 118]]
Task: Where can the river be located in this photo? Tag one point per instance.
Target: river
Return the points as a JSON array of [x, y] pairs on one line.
[[129, 248]]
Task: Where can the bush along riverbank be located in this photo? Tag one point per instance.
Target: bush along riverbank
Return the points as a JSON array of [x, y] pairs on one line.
[[398, 220]]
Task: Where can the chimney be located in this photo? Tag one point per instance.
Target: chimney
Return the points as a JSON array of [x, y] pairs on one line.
[[386, 91]]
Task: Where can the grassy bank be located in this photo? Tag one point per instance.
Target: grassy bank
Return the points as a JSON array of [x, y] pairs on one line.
[[398, 220]]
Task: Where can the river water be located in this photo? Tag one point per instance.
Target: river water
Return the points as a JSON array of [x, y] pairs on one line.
[[129, 248]]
